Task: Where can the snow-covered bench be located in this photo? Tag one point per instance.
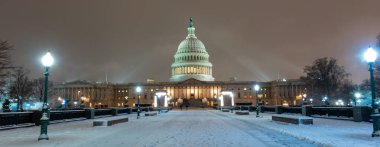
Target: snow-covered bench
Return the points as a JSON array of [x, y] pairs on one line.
[[225, 110], [242, 112], [164, 111], [150, 113], [293, 119], [110, 121]]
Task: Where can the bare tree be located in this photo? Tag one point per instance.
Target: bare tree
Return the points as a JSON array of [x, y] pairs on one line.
[[324, 78], [4, 63], [21, 87], [38, 88]]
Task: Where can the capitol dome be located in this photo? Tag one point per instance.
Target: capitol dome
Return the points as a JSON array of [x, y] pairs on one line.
[[191, 59]]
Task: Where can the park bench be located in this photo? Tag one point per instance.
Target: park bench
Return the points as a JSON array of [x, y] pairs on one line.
[[293, 119], [242, 112], [150, 113], [110, 121]]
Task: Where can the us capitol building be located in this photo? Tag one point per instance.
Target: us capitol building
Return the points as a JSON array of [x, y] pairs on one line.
[[191, 81]]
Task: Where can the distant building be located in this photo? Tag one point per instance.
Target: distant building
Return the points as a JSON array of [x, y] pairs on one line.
[[191, 80]]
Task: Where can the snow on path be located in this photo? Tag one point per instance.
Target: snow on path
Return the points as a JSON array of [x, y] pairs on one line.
[[193, 128]]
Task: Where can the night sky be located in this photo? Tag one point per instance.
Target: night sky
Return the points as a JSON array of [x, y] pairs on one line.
[[135, 40]]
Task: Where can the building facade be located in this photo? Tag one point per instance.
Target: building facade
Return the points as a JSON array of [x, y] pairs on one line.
[[191, 81]]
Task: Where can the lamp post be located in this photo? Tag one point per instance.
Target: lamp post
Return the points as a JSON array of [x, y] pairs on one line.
[[257, 87], [138, 90], [370, 56], [47, 61]]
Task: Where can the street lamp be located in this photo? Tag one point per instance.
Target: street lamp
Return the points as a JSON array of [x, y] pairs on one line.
[[303, 96], [47, 61], [257, 87], [370, 56], [138, 90], [357, 96]]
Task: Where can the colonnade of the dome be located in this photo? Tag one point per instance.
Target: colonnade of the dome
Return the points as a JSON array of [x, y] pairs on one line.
[[191, 70]]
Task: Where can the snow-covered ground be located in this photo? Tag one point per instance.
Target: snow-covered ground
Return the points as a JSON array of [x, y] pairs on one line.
[[325, 132], [196, 128]]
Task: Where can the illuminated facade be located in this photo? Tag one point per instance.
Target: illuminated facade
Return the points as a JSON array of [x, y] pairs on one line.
[[191, 80]]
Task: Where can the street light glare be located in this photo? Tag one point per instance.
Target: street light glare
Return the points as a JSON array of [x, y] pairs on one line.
[[370, 55], [47, 60], [257, 87], [138, 89], [358, 95]]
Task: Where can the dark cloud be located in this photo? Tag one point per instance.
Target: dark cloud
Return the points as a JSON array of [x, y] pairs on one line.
[[131, 41]]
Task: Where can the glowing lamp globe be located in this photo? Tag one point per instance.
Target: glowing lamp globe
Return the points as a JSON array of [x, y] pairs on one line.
[[370, 55], [47, 60], [357, 95], [257, 87], [138, 89]]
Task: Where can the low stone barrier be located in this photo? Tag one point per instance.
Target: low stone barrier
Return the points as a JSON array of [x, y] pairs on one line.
[[242, 112], [110, 121], [293, 119], [150, 113], [225, 110]]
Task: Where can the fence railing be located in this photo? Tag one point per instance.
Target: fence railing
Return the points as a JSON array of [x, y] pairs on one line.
[[333, 111], [68, 114], [267, 108], [15, 118], [100, 112], [292, 110]]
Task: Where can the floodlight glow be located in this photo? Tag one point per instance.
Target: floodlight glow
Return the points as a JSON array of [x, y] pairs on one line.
[[155, 101], [138, 89], [47, 60], [161, 93], [370, 55], [226, 93], [257, 87], [229, 93]]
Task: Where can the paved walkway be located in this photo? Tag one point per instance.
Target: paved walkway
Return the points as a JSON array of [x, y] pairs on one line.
[[192, 128]]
